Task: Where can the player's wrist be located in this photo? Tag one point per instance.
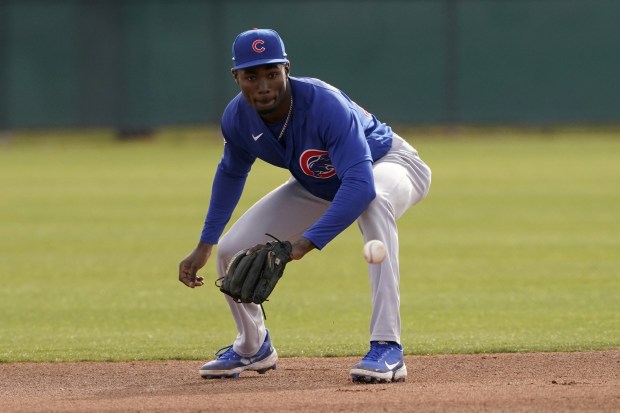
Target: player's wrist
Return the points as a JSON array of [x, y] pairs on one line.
[[301, 247], [204, 247]]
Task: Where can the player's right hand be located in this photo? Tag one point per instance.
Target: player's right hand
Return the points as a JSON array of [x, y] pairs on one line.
[[192, 263]]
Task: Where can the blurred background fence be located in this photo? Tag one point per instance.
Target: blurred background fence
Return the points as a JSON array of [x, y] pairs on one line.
[[138, 64]]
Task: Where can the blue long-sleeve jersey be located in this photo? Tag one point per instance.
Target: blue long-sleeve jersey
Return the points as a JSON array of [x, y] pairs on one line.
[[328, 146]]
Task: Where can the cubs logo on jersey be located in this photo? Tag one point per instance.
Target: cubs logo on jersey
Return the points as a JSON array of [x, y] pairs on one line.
[[316, 163]]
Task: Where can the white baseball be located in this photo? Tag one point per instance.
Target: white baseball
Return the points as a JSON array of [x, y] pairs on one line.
[[374, 251]]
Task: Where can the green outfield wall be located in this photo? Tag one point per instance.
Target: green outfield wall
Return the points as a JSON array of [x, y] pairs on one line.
[[152, 63]]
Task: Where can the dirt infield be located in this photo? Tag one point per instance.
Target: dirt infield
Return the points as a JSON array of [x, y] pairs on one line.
[[524, 382]]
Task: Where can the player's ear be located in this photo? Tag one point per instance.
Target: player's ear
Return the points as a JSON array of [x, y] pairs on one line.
[[287, 69], [235, 74]]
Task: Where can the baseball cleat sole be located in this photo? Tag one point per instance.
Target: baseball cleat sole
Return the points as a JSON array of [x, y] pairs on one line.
[[218, 375], [371, 377], [211, 377], [265, 370]]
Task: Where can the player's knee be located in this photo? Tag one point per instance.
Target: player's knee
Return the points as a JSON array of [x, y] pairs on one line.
[[379, 209], [382, 203], [226, 249]]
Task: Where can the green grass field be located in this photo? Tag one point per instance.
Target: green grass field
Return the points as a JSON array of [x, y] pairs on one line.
[[517, 248]]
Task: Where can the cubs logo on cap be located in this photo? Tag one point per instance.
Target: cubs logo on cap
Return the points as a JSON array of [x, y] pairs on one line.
[[258, 47]]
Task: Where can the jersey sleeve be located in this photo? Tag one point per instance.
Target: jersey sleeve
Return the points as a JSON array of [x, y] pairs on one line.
[[228, 183], [356, 192]]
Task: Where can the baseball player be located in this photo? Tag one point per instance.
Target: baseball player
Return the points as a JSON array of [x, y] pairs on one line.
[[345, 166]]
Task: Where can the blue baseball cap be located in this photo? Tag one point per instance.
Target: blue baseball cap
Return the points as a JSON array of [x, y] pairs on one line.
[[258, 47]]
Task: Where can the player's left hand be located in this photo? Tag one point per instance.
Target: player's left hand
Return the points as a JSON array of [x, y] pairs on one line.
[[252, 274], [299, 248]]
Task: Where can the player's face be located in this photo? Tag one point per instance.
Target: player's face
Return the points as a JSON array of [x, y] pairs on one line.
[[265, 88]]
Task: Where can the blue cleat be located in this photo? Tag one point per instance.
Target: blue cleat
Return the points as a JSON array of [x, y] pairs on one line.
[[384, 363], [229, 364]]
